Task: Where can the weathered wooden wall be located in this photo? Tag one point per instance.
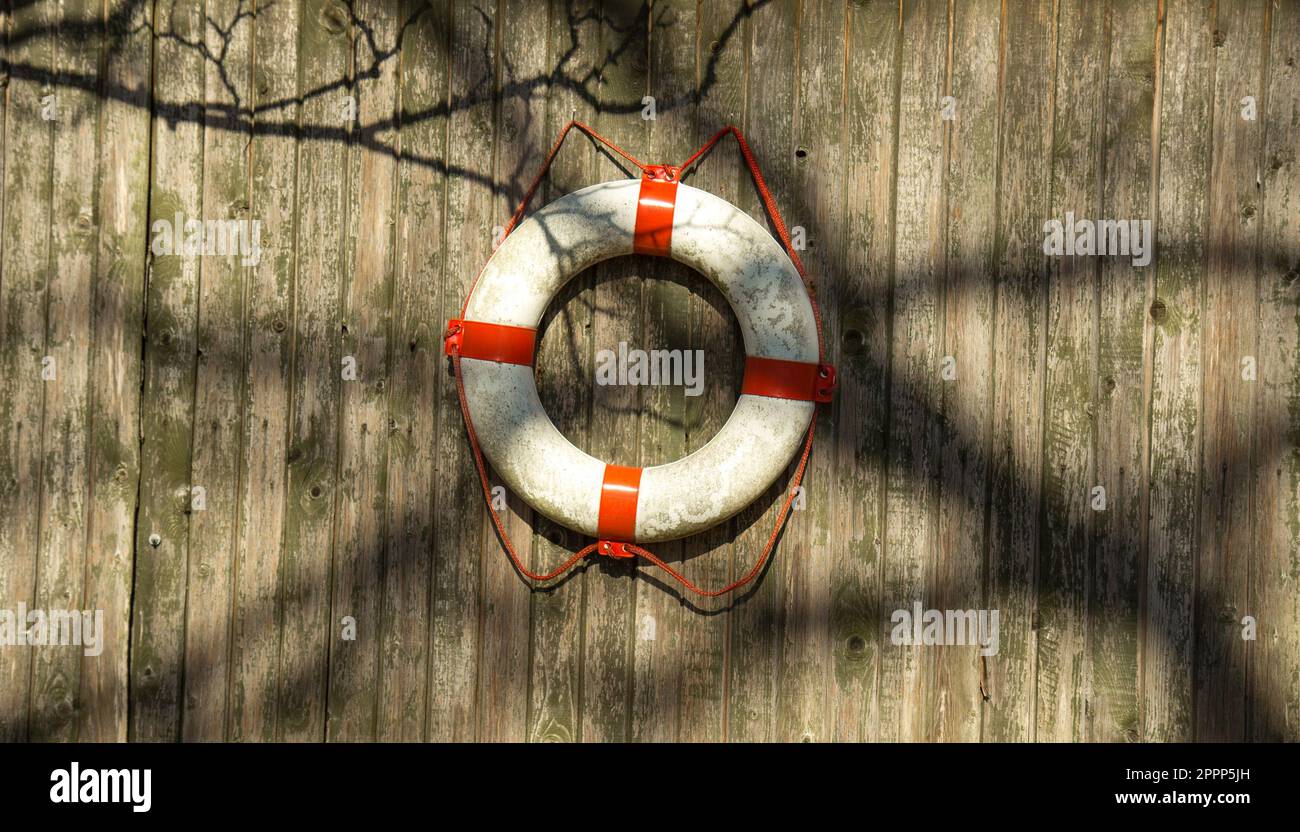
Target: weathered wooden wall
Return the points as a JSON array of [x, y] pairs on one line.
[[329, 498]]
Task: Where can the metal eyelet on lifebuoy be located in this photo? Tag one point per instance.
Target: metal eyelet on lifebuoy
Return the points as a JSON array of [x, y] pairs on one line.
[[784, 378]]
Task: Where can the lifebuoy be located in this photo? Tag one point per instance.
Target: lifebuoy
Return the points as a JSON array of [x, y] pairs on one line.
[[495, 340]]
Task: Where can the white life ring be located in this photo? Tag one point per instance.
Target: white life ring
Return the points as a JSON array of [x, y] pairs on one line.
[[496, 339]]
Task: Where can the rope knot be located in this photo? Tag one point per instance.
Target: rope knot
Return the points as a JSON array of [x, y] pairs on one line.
[[826, 383], [614, 549], [661, 173], [452, 337]]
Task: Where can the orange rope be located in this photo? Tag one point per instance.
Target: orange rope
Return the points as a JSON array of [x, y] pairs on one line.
[[770, 204]]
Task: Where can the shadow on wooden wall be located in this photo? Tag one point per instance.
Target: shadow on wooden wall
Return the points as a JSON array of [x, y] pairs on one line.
[[340, 582]]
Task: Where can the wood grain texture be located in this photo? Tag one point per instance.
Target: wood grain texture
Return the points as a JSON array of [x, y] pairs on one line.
[[971, 176], [213, 502], [1069, 501], [757, 620], [1229, 376], [61, 564], [292, 596], [1123, 344], [858, 300], [252, 705], [1274, 695], [116, 346], [340, 580], [1016, 438], [461, 536], [415, 355], [162, 529], [915, 354], [24, 281], [804, 669], [361, 556], [1182, 159]]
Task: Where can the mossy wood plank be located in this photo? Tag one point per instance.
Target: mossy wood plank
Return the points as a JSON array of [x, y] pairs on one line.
[[213, 501], [1229, 374], [116, 349], [252, 707], [416, 354], [1274, 656], [462, 535], [24, 280], [162, 533], [1016, 433], [1183, 101], [1122, 384], [757, 618], [61, 568], [857, 304], [328, 121], [361, 556], [909, 570], [971, 221], [1068, 500]]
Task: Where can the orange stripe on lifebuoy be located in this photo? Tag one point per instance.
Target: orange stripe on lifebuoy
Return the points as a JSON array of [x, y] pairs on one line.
[[618, 499], [492, 342], [782, 379], [654, 217]]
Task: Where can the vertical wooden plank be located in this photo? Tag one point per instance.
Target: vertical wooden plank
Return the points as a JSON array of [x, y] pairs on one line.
[[611, 588], [1067, 499], [360, 548], [307, 629], [167, 409], [666, 304], [1275, 594], [219, 380], [1122, 344], [459, 533], [416, 352], [117, 322], [521, 148], [1183, 99], [564, 380], [24, 280], [267, 375], [802, 693], [1025, 130], [721, 57], [757, 618], [915, 352], [66, 416], [1227, 463], [972, 142], [858, 298]]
